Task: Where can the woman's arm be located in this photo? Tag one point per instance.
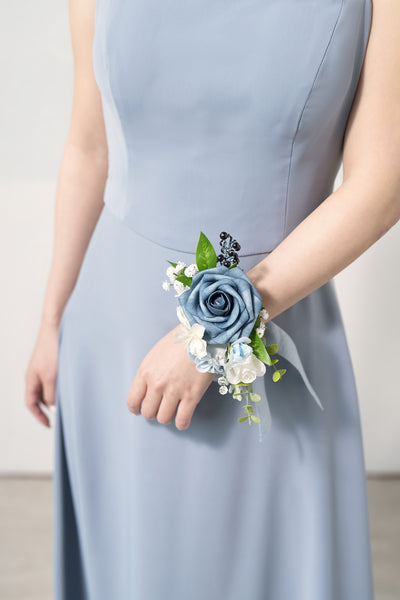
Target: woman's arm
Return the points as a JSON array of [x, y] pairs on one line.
[[367, 204], [83, 170], [79, 200], [350, 220]]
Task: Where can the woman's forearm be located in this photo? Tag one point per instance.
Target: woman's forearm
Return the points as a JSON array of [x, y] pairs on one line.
[[339, 230], [79, 200]]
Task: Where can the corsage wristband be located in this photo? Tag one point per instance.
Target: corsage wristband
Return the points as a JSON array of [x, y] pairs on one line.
[[223, 325]]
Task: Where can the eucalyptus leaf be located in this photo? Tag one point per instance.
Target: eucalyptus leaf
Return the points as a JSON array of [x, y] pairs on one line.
[[248, 409], [276, 376], [243, 419], [255, 419], [206, 257], [272, 348], [255, 397]]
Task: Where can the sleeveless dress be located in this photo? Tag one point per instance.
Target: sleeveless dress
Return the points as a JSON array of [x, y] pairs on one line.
[[221, 115]]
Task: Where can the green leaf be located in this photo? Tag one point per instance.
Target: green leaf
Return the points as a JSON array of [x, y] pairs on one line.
[[259, 348], [172, 263], [243, 419], [255, 419], [248, 409], [276, 376], [232, 266], [282, 371], [206, 257], [275, 360], [184, 279], [272, 348], [255, 397]]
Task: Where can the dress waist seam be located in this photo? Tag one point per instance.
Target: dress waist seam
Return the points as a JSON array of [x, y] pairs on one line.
[[181, 251]]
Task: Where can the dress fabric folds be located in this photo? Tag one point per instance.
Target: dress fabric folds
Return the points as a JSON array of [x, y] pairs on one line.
[[220, 116]]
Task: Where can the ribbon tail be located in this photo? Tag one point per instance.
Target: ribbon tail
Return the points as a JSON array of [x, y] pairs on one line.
[[287, 349], [262, 409]]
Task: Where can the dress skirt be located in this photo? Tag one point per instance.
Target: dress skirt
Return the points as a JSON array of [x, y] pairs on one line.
[[144, 511]]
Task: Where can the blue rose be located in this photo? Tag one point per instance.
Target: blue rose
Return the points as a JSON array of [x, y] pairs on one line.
[[224, 301]]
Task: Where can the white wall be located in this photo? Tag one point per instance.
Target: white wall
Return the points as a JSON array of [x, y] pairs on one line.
[[35, 101], [36, 75]]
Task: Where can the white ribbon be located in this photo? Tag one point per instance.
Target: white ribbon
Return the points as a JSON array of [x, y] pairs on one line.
[[287, 349]]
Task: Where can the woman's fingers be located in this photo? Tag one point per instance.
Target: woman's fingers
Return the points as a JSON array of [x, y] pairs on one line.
[[185, 412], [33, 399], [152, 399], [136, 393], [167, 409]]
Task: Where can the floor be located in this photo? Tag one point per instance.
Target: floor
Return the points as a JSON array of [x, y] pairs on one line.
[[26, 537]]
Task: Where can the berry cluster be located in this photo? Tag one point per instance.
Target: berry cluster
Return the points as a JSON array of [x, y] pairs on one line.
[[229, 250]]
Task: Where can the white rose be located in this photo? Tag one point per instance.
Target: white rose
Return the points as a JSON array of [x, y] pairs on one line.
[[245, 371]]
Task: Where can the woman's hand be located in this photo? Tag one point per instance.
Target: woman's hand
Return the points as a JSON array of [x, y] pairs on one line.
[[165, 378], [41, 373]]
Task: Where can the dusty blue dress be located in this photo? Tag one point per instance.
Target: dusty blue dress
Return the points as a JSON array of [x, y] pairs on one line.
[[220, 115]]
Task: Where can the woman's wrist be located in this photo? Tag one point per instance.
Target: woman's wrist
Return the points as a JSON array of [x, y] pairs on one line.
[[256, 276], [51, 317]]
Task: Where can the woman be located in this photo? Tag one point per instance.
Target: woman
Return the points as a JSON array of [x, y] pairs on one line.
[[213, 116]]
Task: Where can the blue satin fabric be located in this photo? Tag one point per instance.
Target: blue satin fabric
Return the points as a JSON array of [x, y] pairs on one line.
[[221, 115]]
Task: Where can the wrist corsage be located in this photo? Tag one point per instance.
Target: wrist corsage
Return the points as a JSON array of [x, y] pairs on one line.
[[223, 321]]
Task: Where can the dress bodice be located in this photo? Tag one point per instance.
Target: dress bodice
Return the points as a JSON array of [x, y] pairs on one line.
[[225, 114]]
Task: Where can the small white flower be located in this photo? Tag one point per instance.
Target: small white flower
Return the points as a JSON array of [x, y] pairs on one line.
[[165, 285], [171, 272], [179, 266], [191, 270], [180, 287], [192, 335], [260, 331], [223, 390], [264, 313], [222, 380]]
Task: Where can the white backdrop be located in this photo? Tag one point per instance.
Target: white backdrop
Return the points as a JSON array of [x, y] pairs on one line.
[[36, 75]]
